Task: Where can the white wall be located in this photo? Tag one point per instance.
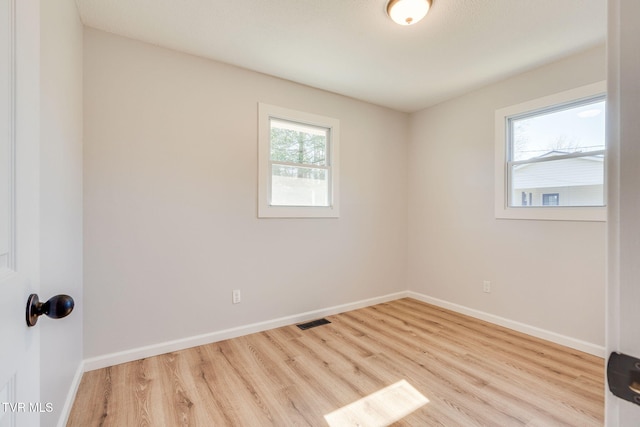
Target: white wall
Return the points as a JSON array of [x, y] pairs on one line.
[[546, 274], [60, 198], [170, 206], [170, 187]]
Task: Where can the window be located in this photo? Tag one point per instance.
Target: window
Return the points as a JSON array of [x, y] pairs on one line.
[[298, 164], [550, 155]]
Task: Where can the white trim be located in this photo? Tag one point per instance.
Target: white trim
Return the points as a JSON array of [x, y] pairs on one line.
[[502, 210], [587, 347], [13, 214], [71, 396], [181, 344], [8, 258]]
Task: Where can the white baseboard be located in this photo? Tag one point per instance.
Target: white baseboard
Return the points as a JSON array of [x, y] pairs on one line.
[[71, 396], [181, 344], [574, 343]]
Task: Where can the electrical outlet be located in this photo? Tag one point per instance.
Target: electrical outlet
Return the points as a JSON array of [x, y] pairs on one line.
[[486, 286], [235, 296]]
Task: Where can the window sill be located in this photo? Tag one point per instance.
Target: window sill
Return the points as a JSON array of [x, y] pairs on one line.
[[298, 212], [596, 213]]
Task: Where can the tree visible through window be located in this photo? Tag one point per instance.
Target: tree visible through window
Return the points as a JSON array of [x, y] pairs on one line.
[[299, 167]]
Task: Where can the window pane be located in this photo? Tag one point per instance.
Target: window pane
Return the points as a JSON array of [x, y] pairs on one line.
[[577, 128], [577, 181], [299, 186], [551, 199], [293, 142]]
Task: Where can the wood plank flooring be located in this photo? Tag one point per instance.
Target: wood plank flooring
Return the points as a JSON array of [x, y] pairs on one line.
[[472, 373]]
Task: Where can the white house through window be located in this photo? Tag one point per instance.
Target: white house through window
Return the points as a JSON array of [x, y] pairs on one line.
[[559, 150]]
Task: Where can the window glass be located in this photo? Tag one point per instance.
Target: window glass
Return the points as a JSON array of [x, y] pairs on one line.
[[572, 129], [578, 181], [294, 144], [296, 186], [558, 150], [298, 143]]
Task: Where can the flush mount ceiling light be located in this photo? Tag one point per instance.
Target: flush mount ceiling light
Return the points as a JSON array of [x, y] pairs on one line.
[[407, 12]]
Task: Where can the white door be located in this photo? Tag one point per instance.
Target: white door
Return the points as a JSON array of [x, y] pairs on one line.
[[19, 252], [623, 104]]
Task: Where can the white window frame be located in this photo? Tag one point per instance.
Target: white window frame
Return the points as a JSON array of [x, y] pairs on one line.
[[265, 210], [558, 213]]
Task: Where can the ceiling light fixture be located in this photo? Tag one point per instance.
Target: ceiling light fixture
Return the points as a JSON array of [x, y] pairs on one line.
[[407, 12]]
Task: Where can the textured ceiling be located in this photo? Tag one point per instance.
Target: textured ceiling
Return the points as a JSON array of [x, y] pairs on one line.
[[351, 47]]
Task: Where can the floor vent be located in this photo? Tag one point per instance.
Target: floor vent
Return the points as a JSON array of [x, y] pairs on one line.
[[312, 324]]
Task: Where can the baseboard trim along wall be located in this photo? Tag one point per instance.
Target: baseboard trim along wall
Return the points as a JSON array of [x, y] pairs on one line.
[[554, 337], [71, 396], [181, 344]]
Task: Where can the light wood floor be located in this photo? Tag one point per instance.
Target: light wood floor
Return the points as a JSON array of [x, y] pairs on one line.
[[472, 373]]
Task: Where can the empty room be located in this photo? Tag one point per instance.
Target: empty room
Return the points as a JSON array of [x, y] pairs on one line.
[[319, 213]]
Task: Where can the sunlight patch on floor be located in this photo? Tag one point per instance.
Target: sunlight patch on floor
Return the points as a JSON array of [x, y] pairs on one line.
[[379, 409]]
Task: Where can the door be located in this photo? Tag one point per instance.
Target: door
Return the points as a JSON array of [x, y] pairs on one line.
[[19, 252], [623, 106]]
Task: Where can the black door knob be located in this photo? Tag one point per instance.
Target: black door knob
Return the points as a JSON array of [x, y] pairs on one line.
[[56, 307]]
